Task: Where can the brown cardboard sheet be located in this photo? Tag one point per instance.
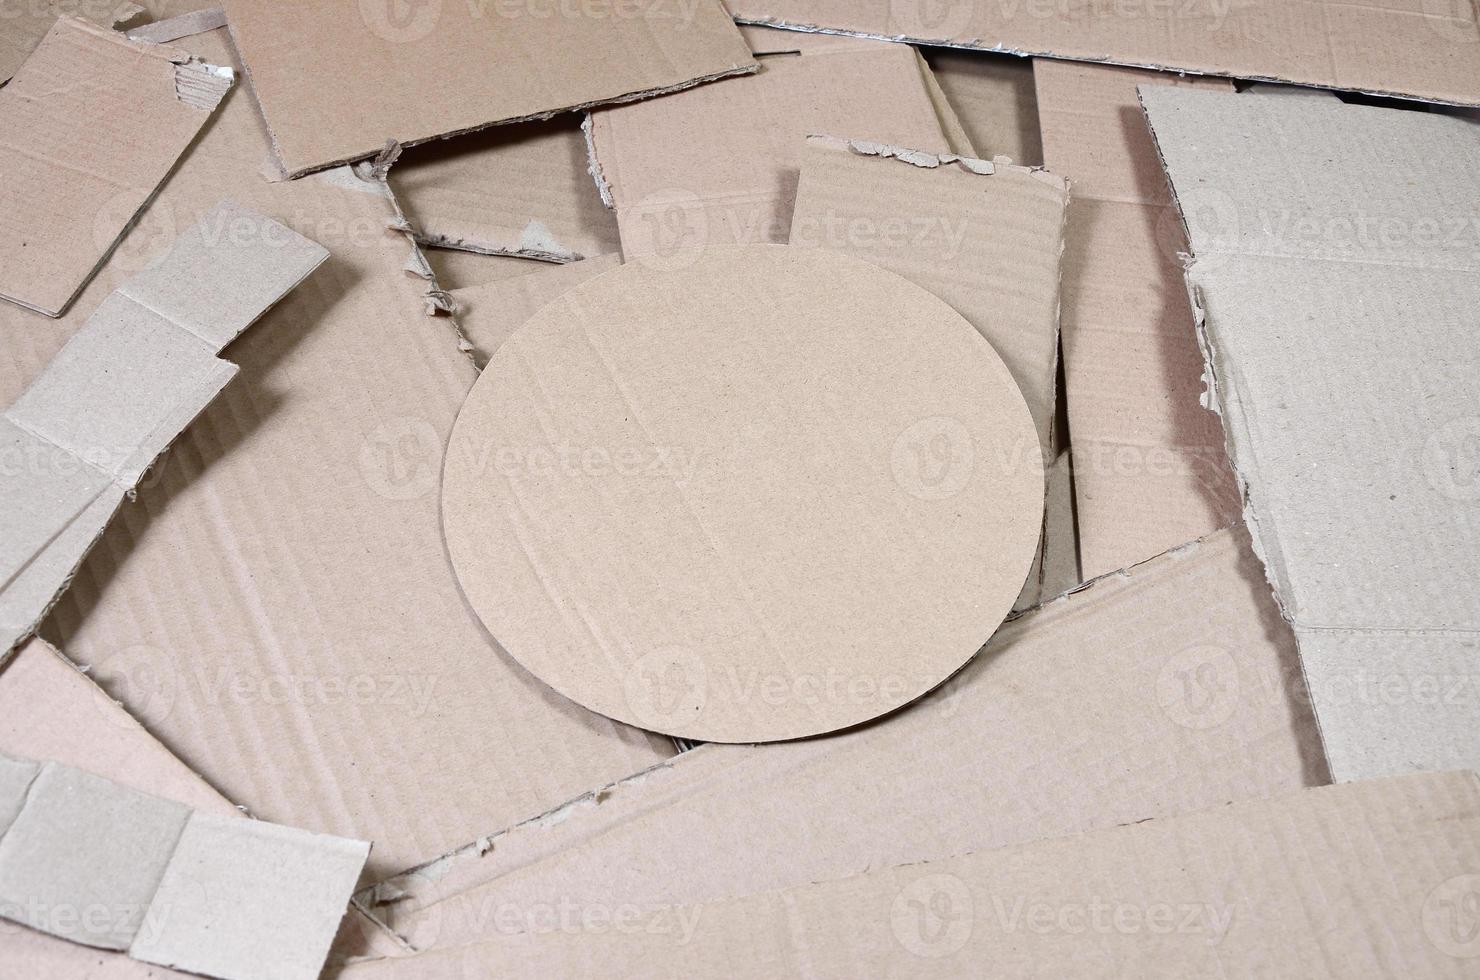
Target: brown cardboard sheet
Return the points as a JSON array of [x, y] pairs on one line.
[[1150, 470], [412, 73], [718, 165], [654, 492], [1164, 689], [994, 98], [488, 314], [1415, 48], [121, 390], [279, 609], [1336, 278], [1363, 879], [25, 24], [89, 127], [984, 237]]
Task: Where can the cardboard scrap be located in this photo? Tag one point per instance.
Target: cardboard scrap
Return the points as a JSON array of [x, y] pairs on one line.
[[1336, 276], [121, 390], [92, 123], [103, 865], [1415, 48], [490, 313], [280, 610], [25, 24], [1168, 688], [994, 98], [678, 547], [419, 72], [718, 165], [1150, 471]]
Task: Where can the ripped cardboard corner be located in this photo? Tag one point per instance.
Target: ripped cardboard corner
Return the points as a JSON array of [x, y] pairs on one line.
[[81, 159], [427, 71], [96, 863], [1335, 273], [24, 25], [1419, 50], [121, 390], [719, 165]]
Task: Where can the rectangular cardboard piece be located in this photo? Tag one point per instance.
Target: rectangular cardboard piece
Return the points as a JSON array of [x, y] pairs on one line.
[[1355, 880], [25, 24], [104, 865], [281, 608], [1150, 471], [89, 128], [719, 164], [415, 73], [122, 389], [1409, 48], [984, 237], [1183, 662], [1336, 275]]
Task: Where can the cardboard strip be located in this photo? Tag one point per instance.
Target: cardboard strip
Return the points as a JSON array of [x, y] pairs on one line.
[[83, 156], [103, 865], [719, 165], [25, 24], [173, 29], [1336, 274], [1150, 470], [1182, 666], [122, 389], [984, 237], [1422, 50], [1356, 880], [444, 69]]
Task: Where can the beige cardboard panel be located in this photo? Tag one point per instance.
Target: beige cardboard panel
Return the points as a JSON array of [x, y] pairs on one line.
[[1412, 48], [26, 24], [82, 158], [994, 98], [732, 598], [718, 165], [1359, 224], [523, 190], [1150, 470], [16, 776], [279, 608], [448, 68], [1181, 669], [488, 314], [1353, 880]]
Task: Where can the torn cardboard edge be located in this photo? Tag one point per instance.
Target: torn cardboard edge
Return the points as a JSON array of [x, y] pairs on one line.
[[122, 389], [99, 864]]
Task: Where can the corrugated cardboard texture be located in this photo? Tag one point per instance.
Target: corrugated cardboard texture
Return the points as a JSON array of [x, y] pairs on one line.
[[280, 610], [92, 124], [1150, 471], [121, 390], [654, 493], [456, 269], [1337, 275], [994, 97], [1416, 48], [1364, 879], [104, 865], [1178, 677], [718, 165], [25, 24], [488, 314], [416, 72], [512, 190], [985, 238]]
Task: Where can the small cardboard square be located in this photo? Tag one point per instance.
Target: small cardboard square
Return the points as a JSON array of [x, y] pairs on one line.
[[772, 493]]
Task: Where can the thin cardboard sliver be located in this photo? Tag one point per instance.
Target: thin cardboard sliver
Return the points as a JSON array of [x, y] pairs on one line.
[[1335, 277], [443, 69], [122, 389], [1421, 50], [82, 158], [654, 492]]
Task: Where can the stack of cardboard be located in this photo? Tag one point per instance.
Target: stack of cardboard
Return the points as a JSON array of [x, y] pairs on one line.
[[739, 487]]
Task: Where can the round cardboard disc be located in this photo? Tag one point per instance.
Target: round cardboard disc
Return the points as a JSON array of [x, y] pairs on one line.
[[772, 493]]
